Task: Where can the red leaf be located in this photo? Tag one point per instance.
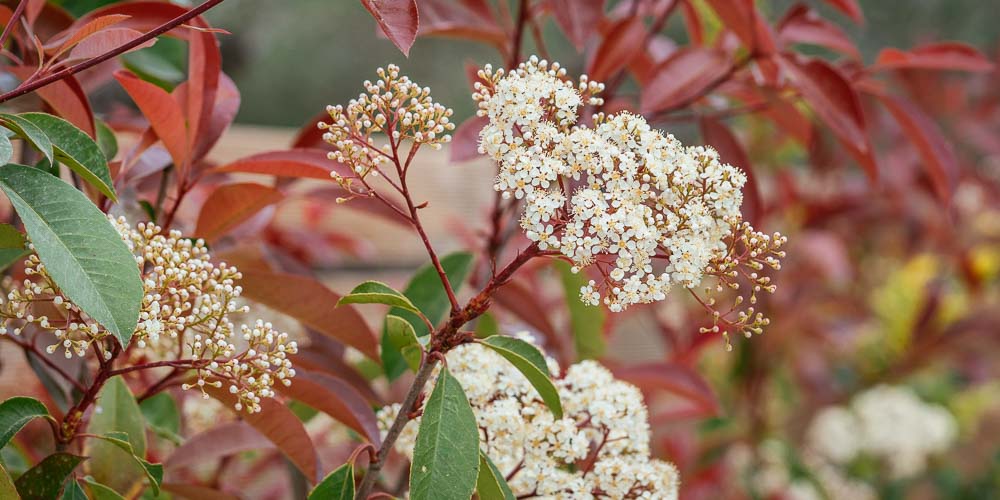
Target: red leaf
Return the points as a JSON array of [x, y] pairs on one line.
[[742, 18], [105, 41], [720, 137], [519, 300], [315, 360], [279, 425], [939, 158], [674, 378], [577, 18], [67, 99], [231, 204], [196, 492], [312, 303], [163, 112], [227, 104], [803, 25], [336, 398], [465, 140], [310, 135], [850, 8], [462, 20], [938, 56], [682, 77], [621, 43], [692, 23], [836, 102], [220, 441], [398, 19], [65, 40], [302, 163]]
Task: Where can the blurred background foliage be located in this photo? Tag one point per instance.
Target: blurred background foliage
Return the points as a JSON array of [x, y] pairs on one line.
[[289, 58]]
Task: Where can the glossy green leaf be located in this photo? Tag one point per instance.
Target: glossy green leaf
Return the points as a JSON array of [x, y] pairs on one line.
[[45, 480], [75, 149], [487, 325], [374, 292], [7, 488], [31, 133], [6, 149], [446, 455], [162, 416], [427, 293], [337, 485], [80, 248], [531, 363], [587, 321], [106, 139], [73, 491], [99, 491], [402, 336], [15, 413], [491, 484], [12, 246], [116, 411], [154, 472]]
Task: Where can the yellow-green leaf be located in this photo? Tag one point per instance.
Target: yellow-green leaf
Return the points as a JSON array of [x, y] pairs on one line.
[[337, 485], [402, 336], [116, 411], [491, 485], [587, 321], [375, 292]]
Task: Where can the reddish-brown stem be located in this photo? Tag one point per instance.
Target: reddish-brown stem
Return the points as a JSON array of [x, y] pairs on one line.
[[14, 18], [177, 364], [48, 362], [89, 63]]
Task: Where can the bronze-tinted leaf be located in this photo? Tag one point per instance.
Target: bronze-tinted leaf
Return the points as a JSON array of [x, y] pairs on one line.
[[231, 204], [398, 19]]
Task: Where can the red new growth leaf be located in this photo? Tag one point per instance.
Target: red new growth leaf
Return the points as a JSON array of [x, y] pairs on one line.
[[939, 158], [465, 140], [803, 25], [105, 41], [67, 39], [621, 43], [231, 204], [302, 163], [742, 18], [278, 424], [939, 56], [836, 103], [850, 8], [336, 398], [720, 137], [312, 303], [468, 19], [163, 112], [682, 77], [398, 19], [66, 97], [579, 19], [674, 378], [220, 441]]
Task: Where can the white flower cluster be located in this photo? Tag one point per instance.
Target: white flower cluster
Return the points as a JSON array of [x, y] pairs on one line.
[[769, 474], [184, 317], [889, 423], [393, 105], [646, 210], [599, 449]]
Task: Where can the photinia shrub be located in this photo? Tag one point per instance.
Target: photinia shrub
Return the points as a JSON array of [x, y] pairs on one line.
[[170, 321]]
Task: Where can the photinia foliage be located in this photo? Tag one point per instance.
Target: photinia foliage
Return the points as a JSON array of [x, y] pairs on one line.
[[182, 344]]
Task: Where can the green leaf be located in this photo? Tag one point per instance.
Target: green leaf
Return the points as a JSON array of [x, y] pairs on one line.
[[49, 382], [402, 336], [154, 472], [45, 480], [587, 321], [15, 413], [6, 149], [31, 133], [374, 292], [163, 64], [162, 416], [80, 248], [446, 454], [100, 492], [427, 293], [487, 325], [117, 412], [12, 246], [73, 491], [75, 149], [491, 484], [531, 363], [7, 488], [338, 485], [106, 139]]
